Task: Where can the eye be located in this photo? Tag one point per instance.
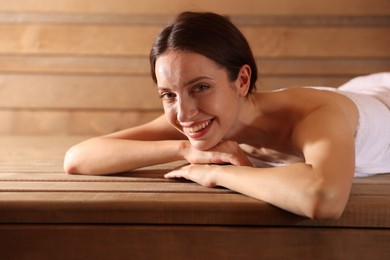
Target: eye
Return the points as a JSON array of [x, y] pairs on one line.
[[167, 96], [200, 87]]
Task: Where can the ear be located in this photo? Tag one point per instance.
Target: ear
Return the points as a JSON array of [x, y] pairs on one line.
[[243, 80]]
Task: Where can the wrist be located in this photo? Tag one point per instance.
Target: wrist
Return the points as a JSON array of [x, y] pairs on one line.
[[184, 148], [222, 174]]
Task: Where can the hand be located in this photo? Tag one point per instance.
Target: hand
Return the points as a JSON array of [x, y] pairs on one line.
[[226, 152], [202, 174]]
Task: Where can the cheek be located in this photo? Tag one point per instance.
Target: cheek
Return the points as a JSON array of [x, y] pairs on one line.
[[224, 104], [170, 114]]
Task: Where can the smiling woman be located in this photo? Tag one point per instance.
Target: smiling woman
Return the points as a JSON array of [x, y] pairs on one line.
[[196, 84], [305, 137]]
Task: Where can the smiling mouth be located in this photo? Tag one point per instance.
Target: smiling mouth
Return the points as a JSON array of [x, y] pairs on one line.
[[198, 128]]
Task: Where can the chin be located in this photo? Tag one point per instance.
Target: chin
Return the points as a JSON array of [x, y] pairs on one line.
[[203, 145]]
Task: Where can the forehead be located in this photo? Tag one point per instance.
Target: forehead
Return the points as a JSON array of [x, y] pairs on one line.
[[174, 67]]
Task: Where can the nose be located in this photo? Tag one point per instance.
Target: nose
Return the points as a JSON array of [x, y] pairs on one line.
[[187, 109]]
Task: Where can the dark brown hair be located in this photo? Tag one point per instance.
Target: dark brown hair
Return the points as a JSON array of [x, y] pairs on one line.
[[208, 34]]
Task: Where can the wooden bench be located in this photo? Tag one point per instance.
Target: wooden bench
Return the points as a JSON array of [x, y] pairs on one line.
[[47, 214]]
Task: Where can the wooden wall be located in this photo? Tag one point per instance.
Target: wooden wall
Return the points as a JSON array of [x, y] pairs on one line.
[[73, 67]]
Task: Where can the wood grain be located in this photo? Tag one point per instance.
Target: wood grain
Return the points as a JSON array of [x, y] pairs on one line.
[[246, 7], [141, 215], [81, 67], [266, 41], [33, 186]]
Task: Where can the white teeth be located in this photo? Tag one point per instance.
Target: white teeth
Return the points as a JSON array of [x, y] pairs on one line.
[[199, 127]]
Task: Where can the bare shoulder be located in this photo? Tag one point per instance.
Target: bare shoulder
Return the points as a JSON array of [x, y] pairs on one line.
[[326, 104], [157, 129], [329, 120], [307, 100], [312, 115]]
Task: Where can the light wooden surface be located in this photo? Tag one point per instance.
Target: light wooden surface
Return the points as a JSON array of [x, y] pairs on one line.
[[47, 214], [81, 67], [31, 176], [246, 7]]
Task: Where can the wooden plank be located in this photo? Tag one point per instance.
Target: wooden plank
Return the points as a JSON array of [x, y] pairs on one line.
[[318, 42], [190, 208], [190, 242], [277, 82], [75, 39], [99, 18], [72, 122], [131, 66], [97, 123], [28, 122], [33, 196], [321, 66], [100, 92], [155, 19], [266, 41], [27, 206], [258, 7], [163, 186], [309, 20], [95, 65], [60, 183]]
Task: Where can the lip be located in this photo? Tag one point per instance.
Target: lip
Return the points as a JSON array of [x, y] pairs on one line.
[[198, 129]]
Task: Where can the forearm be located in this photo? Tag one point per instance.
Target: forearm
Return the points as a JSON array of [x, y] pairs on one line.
[[296, 188], [108, 155]]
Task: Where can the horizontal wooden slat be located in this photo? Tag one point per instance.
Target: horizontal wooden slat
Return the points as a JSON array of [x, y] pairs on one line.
[[321, 66], [74, 39], [70, 122], [150, 19], [309, 20], [318, 42], [76, 65], [72, 241], [131, 66], [264, 7], [108, 187], [266, 41], [174, 208], [41, 91], [39, 193], [277, 82], [101, 19], [41, 174]]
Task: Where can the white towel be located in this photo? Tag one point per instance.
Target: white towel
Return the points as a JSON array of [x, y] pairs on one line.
[[371, 94]]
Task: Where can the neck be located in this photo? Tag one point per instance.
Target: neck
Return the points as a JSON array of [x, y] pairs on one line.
[[248, 128]]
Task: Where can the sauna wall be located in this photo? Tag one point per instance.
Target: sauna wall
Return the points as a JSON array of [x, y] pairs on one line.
[[80, 67]]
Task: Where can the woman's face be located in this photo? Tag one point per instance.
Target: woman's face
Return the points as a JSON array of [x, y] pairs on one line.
[[198, 98]]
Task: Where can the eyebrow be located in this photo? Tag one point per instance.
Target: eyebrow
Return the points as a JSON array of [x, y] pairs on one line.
[[190, 82]]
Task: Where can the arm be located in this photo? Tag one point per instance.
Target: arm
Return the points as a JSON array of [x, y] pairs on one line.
[[154, 143], [318, 188], [149, 144]]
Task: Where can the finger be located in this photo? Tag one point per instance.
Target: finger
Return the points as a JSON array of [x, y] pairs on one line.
[[236, 159], [178, 172], [171, 175], [241, 160]]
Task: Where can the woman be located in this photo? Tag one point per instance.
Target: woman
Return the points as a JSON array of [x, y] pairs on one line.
[[213, 118]]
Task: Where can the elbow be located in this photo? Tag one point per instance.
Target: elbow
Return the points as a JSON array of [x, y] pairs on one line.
[[71, 163], [324, 210], [325, 202]]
